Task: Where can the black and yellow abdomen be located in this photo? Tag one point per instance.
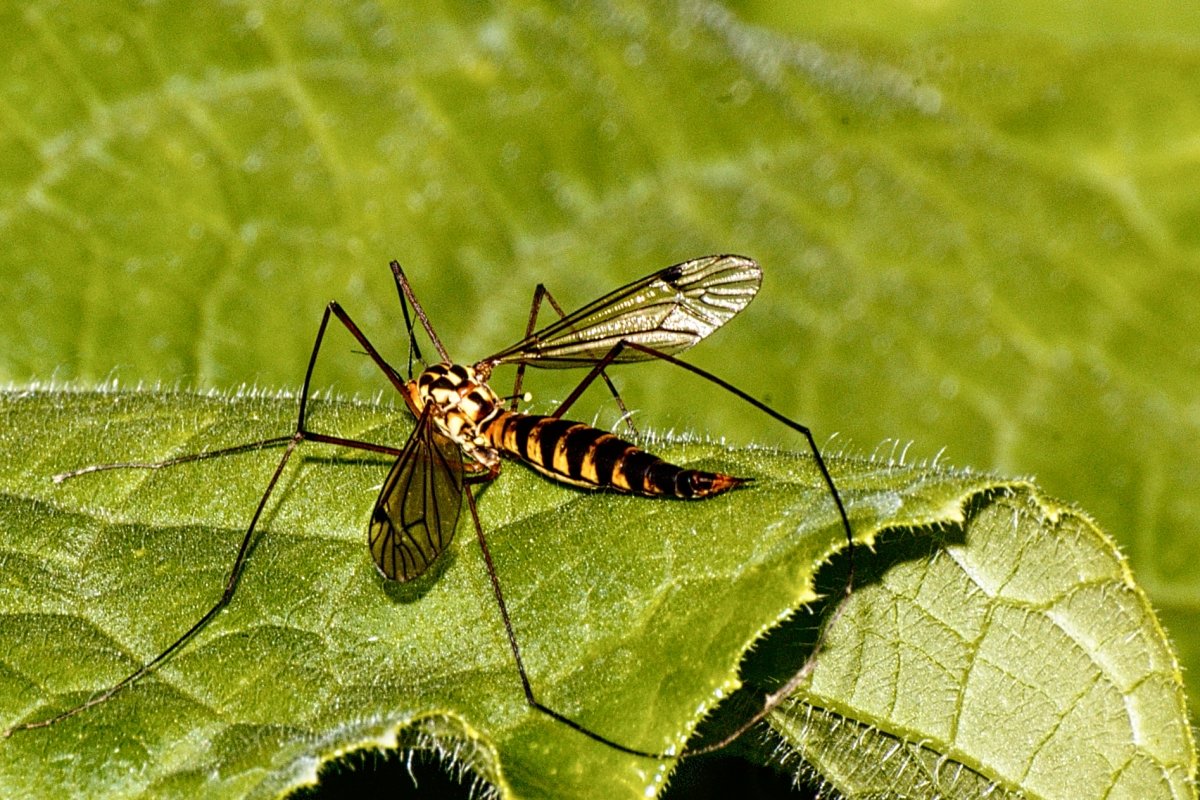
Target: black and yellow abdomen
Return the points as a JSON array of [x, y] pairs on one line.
[[585, 456]]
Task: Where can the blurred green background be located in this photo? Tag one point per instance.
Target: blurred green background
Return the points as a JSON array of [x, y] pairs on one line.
[[980, 225]]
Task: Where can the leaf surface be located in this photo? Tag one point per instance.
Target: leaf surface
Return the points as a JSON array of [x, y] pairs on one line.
[[977, 225], [1007, 656], [633, 614]]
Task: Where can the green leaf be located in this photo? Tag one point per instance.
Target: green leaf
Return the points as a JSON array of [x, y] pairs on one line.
[[633, 614], [977, 225], [1009, 656]]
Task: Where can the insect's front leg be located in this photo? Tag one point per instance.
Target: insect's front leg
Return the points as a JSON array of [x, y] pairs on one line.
[[290, 442], [302, 432]]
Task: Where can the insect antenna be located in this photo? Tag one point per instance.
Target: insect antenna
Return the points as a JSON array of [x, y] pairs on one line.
[[406, 292], [414, 349]]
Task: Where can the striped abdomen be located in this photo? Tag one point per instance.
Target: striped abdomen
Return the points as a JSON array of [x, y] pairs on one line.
[[585, 456]]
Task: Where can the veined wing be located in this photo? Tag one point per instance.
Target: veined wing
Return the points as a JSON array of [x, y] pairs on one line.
[[669, 311], [418, 507]]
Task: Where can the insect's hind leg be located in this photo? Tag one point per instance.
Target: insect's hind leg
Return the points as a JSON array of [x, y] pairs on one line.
[[292, 442], [530, 698], [539, 294], [803, 430], [772, 700]]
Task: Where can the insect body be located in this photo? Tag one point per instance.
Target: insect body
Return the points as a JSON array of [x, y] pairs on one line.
[[456, 409], [581, 455], [470, 414], [462, 429]]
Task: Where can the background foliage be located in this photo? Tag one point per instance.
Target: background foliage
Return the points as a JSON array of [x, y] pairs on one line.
[[979, 226]]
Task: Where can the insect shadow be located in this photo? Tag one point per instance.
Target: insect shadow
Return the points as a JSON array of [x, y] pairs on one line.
[[463, 428]]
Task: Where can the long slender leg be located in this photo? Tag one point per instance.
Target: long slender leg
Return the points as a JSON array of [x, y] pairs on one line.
[[761, 406], [292, 442], [262, 444], [775, 698], [516, 649], [301, 431], [226, 596], [540, 293], [387, 369]]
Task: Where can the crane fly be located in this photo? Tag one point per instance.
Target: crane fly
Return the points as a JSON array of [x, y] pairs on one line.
[[459, 414], [463, 429]]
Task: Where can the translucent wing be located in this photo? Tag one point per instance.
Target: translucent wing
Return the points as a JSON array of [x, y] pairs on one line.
[[419, 504], [670, 311]]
